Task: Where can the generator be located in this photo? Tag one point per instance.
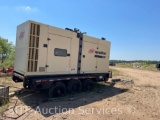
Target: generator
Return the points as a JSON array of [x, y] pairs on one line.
[[47, 57]]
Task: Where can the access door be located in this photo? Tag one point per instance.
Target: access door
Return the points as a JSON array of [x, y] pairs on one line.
[[88, 57], [58, 54]]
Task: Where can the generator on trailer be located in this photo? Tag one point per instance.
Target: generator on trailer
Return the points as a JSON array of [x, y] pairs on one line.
[[59, 59]]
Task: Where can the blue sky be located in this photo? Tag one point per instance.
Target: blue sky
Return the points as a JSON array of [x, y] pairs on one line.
[[132, 26]]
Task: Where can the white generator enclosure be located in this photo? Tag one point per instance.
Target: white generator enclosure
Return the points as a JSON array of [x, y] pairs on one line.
[[43, 50]]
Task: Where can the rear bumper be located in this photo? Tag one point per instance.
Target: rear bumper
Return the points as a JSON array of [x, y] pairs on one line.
[[17, 77]]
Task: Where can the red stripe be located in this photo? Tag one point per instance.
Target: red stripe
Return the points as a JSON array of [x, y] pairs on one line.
[[44, 80]]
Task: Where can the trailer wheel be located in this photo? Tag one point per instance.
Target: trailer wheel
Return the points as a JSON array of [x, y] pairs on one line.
[[57, 90], [87, 84], [74, 86]]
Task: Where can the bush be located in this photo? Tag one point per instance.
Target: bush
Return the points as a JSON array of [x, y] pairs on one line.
[[7, 64]]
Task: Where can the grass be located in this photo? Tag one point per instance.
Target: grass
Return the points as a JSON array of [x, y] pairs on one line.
[[150, 67], [125, 65], [4, 104], [143, 66], [3, 108], [6, 64], [7, 81], [115, 73]]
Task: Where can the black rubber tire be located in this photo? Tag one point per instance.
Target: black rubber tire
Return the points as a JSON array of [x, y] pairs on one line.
[[57, 90], [87, 84], [74, 86]]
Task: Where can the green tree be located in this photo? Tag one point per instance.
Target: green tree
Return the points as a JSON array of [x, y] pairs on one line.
[[6, 48], [12, 53]]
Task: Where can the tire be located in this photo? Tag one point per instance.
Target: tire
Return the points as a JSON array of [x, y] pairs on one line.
[[57, 90], [87, 84], [74, 86]]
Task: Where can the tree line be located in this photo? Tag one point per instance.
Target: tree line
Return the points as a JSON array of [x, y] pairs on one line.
[[7, 53], [136, 61]]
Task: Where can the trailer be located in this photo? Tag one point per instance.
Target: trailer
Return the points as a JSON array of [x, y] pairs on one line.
[[59, 60]]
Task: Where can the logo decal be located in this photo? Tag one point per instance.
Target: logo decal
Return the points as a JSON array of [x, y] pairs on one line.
[[21, 35], [91, 51]]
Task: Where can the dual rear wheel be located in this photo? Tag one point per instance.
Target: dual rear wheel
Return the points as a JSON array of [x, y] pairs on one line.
[[73, 86]]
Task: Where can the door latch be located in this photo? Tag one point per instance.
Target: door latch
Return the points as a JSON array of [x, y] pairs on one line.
[[48, 39], [47, 65]]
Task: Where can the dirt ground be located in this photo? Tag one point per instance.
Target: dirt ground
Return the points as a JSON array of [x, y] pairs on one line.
[[5, 79], [136, 97]]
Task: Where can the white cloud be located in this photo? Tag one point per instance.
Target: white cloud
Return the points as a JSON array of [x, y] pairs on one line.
[[27, 9]]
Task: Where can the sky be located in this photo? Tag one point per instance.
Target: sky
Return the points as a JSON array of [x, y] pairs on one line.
[[132, 26]]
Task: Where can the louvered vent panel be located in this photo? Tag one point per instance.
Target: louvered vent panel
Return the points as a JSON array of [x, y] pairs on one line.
[[33, 47]]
